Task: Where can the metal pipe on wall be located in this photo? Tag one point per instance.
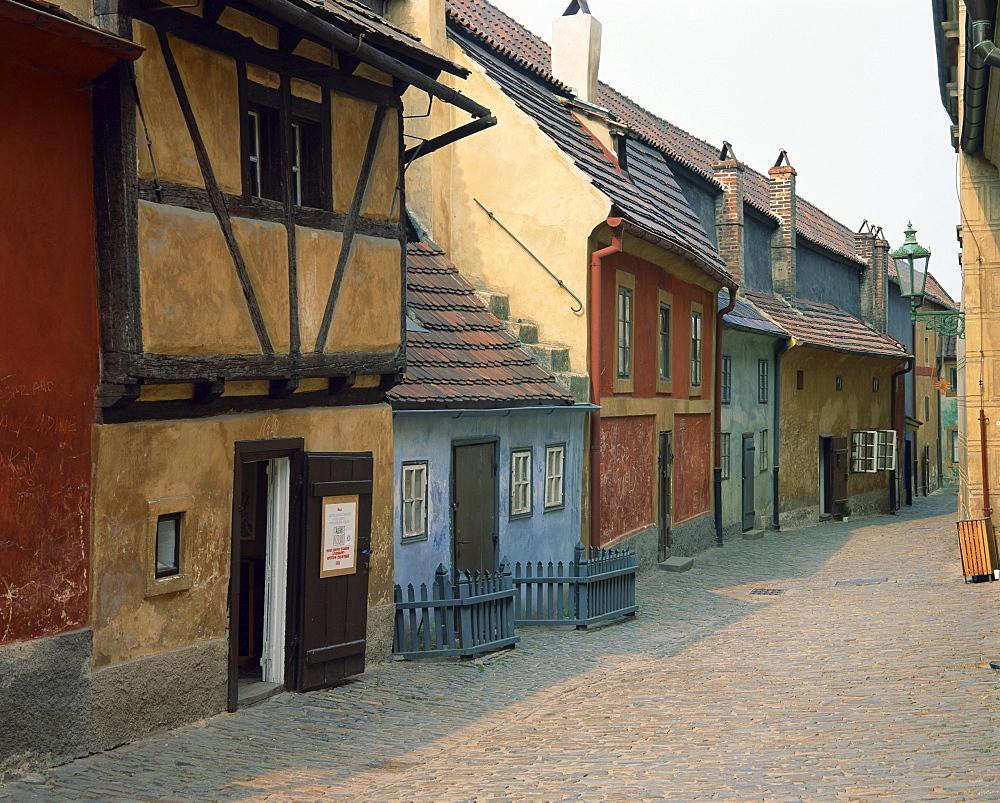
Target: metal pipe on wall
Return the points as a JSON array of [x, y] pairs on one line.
[[779, 349], [717, 408], [900, 434]]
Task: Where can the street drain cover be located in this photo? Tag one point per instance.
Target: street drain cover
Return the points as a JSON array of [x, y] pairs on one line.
[[769, 592], [867, 582]]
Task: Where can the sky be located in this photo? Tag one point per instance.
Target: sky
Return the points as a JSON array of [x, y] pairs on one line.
[[848, 87]]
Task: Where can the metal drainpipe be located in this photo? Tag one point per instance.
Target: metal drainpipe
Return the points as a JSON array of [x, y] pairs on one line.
[[893, 500], [987, 506], [717, 470], [596, 258], [779, 350], [980, 55]]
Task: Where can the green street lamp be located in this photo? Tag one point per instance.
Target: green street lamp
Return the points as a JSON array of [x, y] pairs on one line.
[[911, 260]]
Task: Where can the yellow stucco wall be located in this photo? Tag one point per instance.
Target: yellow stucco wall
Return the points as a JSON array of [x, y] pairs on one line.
[[367, 315], [819, 409], [532, 188], [136, 464]]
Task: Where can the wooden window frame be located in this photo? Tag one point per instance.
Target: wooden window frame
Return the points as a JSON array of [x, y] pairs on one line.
[[727, 379], [864, 451], [763, 382], [764, 453], [624, 381], [953, 445], [521, 455], [406, 498], [560, 478], [697, 348], [886, 450], [664, 342]]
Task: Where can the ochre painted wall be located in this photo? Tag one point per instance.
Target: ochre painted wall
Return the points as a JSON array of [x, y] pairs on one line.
[[138, 464], [819, 409], [48, 356]]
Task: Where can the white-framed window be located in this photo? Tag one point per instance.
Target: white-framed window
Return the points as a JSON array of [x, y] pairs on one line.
[[864, 448], [763, 385], [555, 487], [885, 447], [953, 444], [763, 451], [624, 332], [414, 500], [664, 344], [520, 483], [725, 455], [727, 379], [696, 348]]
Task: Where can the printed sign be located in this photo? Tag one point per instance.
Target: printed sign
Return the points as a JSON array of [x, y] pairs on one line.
[[340, 536]]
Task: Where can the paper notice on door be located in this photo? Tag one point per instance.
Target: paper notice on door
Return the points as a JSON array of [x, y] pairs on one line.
[[340, 536]]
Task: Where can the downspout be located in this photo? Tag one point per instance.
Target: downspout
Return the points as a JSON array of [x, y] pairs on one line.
[[980, 55], [717, 471], [779, 349], [987, 506], [900, 434], [596, 258]]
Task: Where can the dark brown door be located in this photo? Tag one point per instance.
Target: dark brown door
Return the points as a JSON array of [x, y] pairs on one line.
[[841, 466], [826, 467], [333, 611], [474, 507], [666, 469], [749, 473]]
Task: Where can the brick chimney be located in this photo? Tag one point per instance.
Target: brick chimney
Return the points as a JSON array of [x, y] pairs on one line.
[[875, 251], [729, 215], [781, 179], [576, 50]]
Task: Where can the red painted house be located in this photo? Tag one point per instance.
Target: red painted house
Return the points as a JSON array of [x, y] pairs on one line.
[[48, 374]]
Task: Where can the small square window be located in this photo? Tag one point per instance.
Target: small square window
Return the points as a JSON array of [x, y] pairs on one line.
[[874, 384], [168, 545], [800, 380], [414, 500], [520, 483], [555, 458]]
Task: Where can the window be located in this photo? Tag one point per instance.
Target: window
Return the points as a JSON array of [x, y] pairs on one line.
[[840, 383], [800, 380], [763, 387], [863, 446], [927, 350], [664, 342], [624, 333], [555, 458], [953, 444], [885, 447], [696, 346], [763, 450], [724, 452], [727, 379], [168, 545], [873, 450], [263, 152], [874, 384], [307, 163], [927, 408], [520, 483], [414, 500], [953, 379]]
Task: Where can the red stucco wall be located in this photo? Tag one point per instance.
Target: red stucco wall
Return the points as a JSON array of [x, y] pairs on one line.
[[627, 461], [692, 465], [48, 351]]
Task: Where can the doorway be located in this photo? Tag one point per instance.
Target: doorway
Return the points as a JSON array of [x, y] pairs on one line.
[[749, 473], [474, 507], [826, 476], [666, 469]]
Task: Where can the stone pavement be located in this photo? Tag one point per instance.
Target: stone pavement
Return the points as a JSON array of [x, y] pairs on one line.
[[866, 678]]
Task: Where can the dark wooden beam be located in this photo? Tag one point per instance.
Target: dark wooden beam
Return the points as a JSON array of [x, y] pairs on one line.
[[283, 388], [338, 384], [208, 392]]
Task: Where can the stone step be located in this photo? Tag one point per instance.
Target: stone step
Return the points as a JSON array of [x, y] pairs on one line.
[[525, 331], [497, 303], [753, 535], [578, 385], [676, 564], [555, 358]]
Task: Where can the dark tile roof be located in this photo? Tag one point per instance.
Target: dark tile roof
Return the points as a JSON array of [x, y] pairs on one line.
[[515, 43], [650, 198], [466, 357], [949, 349], [748, 318], [356, 18], [826, 327]]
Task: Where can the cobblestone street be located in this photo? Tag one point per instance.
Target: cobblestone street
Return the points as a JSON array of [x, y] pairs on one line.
[[866, 678]]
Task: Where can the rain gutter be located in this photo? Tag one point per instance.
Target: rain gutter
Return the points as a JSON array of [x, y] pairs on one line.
[[980, 55], [482, 412]]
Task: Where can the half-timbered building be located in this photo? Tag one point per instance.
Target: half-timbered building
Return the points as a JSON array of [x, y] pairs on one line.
[[251, 305]]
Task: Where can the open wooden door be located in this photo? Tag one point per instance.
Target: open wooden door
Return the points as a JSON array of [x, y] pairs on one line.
[[332, 610]]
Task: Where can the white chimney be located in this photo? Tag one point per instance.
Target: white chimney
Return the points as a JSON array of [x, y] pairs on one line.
[[576, 51]]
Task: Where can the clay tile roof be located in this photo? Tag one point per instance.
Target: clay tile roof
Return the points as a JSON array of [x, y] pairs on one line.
[[466, 357], [355, 18], [518, 62], [748, 318], [816, 225], [824, 326]]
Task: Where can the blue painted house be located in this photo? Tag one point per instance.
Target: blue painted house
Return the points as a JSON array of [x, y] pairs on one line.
[[488, 445]]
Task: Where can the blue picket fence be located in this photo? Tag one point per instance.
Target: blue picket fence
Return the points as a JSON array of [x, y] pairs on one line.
[[595, 586]]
